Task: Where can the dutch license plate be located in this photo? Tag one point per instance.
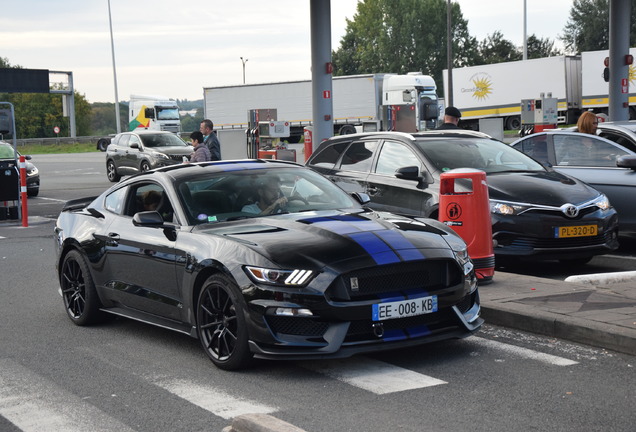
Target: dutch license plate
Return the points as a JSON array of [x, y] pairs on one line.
[[576, 231], [404, 308]]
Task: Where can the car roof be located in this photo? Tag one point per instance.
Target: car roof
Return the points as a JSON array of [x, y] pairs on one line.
[[411, 136], [180, 171]]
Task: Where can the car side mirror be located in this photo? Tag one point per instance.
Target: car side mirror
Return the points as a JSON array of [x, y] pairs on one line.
[[413, 173], [150, 219], [627, 161], [134, 145], [362, 198]]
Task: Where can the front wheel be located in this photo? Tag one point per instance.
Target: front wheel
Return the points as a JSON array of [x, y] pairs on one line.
[[221, 324], [145, 166], [78, 291], [111, 172]]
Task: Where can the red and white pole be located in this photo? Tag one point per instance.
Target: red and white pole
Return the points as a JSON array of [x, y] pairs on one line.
[[23, 192]]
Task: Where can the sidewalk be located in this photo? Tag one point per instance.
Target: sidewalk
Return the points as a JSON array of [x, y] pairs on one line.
[[593, 310]]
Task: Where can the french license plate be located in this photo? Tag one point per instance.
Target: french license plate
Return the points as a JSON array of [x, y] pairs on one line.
[[576, 231], [404, 308]]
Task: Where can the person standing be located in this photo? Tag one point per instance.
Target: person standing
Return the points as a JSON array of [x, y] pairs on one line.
[[210, 139], [451, 118], [201, 151], [587, 123]]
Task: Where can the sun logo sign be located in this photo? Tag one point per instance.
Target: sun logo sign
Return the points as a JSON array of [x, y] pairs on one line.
[[482, 86]]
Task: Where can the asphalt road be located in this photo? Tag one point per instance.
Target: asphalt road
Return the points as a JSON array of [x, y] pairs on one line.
[[129, 376]]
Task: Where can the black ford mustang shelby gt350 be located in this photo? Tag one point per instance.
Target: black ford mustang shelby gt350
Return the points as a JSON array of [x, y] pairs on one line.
[[263, 259]]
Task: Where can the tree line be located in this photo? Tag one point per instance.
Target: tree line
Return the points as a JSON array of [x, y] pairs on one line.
[[397, 36]]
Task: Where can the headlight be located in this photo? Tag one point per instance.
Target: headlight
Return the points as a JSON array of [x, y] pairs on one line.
[[160, 155], [33, 171], [602, 202], [279, 276], [506, 208], [464, 260]]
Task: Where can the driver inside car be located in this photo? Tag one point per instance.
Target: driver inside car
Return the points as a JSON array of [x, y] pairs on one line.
[[271, 199]]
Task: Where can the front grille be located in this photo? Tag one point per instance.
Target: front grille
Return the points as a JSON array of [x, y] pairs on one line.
[[297, 326], [369, 283], [178, 158]]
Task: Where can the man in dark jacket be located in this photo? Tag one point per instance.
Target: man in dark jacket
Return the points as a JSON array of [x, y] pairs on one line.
[[451, 118], [211, 141]]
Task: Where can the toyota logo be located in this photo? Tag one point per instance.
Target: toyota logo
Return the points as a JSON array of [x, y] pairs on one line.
[[570, 210]]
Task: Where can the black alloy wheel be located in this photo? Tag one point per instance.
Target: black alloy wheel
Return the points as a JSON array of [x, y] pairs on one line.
[[78, 291], [221, 324], [111, 172]]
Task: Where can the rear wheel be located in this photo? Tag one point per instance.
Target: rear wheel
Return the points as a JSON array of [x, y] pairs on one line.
[[78, 291], [221, 324], [513, 123], [111, 172], [102, 144]]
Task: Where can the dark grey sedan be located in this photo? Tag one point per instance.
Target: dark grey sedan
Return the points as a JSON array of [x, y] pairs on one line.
[[604, 164], [139, 151]]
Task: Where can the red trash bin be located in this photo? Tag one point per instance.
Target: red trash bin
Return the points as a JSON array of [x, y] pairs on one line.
[[464, 206]]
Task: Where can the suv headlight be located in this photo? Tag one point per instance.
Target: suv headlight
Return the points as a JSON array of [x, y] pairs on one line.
[[160, 155], [279, 277]]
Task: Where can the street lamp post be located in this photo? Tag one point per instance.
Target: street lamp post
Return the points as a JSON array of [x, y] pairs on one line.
[[244, 61], [112, 48]]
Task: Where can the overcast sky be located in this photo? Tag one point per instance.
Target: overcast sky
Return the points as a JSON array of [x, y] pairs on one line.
[[175, 49]]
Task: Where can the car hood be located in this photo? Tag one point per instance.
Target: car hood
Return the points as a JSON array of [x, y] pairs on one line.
[[338, 240], [544, 188]]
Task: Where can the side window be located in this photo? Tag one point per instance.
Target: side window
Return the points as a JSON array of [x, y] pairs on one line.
[[358, 156], [535, 147], [151, 197], [328, 157], [123, 140], [393, 156], [115, 201], [619, 139], [586, 151], [133, 139]]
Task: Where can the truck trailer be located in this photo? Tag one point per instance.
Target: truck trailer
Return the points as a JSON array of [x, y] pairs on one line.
[[405, 103], [496, 90]]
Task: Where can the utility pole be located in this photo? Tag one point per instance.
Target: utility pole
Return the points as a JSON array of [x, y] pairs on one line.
[[244, 61]]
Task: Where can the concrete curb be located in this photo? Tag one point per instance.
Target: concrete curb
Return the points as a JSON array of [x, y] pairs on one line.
[[598, 279], [260, 423], [574, 329]]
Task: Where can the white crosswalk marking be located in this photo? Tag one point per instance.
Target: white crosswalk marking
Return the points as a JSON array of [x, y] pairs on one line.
[[214, 400], [34, 404], [523, 352], [372, 375]]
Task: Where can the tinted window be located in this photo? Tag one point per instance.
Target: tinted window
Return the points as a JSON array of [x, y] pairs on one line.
[[585, 151], [115, 201], [535, 146], [328, 157], [133, 140], [393, 156], [162, 140], [358, 156], [619, 139]]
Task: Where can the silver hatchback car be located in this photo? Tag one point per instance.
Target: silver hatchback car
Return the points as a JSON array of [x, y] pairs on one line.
[[135, 152]]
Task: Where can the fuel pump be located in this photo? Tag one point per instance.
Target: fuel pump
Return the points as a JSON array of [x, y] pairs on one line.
[[538, 114]]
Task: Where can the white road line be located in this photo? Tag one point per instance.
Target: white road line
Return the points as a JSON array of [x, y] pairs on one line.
[[34, 404], [372, 375], [51, 199], [524, 352], [212, 399]]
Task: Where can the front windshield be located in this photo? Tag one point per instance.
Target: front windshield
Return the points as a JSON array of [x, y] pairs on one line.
[[484, 154], [253, 193], [167, 113], [162, 140], [6, 152]]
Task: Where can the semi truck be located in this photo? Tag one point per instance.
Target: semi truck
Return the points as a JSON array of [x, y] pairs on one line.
[[149, 113], [496, 90], [367, 102]]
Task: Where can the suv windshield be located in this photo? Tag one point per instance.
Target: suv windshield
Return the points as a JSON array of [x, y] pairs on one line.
[[162, 140], [488, 155]]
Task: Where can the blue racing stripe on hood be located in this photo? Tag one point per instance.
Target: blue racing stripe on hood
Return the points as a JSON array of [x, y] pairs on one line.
[[385, 246]]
